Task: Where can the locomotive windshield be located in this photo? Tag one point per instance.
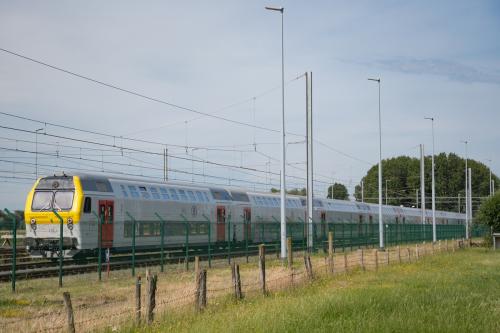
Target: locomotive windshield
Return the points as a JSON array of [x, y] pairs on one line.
[[48, 200], [54, 193]]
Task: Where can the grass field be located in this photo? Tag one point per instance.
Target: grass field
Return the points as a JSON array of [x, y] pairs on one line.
[[457, 292]]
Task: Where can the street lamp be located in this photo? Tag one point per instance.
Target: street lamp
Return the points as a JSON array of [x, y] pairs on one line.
[[466, 192], [380, 222], [36, 151], [283, 156], [434, 234]]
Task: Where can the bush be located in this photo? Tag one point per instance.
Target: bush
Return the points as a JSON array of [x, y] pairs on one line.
[[489, 213]]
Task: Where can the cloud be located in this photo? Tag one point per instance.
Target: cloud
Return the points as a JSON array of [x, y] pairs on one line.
[[452, 70]]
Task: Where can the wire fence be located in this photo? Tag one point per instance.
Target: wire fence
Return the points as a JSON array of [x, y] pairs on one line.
[[182, 291]]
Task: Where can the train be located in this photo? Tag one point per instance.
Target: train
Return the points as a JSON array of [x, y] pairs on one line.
[[151, 211]]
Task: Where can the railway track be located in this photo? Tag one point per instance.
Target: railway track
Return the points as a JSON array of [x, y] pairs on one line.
[[41, 268]]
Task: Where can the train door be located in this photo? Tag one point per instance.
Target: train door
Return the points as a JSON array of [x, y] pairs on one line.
[[221, 223], [247, 220], [106, 213]]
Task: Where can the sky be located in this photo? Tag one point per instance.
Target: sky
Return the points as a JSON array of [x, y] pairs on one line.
[[434, 59]]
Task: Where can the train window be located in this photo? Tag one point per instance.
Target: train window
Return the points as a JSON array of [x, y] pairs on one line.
[[133, 191], [63, 200], [144, 192], [164, 193], [191, 196], [200, 196], [239, 196], [42, 200], [87, 205], [182, 195], [173, 194], [154, 193], [206, 197], [124, 191]]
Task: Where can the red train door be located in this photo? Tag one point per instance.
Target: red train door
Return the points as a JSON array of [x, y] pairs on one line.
[[106, 212], [247, 219], [221, 223]]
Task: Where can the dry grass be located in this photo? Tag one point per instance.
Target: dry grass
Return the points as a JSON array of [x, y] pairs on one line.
[[110, 304]]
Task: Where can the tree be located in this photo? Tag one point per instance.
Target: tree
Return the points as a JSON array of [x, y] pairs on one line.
[[489, 212], [403, 181], [338, 191]]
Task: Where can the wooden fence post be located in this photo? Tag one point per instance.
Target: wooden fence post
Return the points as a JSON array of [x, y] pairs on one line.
[[308, 266], [138, 300], [202, 290], [151, 280], [69, 310], [453, 243], [262, 267], [361, 259], [409, 254], [399, 254], [289, 251], [235, 273], [330, 252], [439, 246], [376, 259]]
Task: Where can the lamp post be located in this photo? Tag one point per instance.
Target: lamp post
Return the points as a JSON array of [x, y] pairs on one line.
[[434, 234], [466, 192], [380, 222], [283, 156], [36, 151]]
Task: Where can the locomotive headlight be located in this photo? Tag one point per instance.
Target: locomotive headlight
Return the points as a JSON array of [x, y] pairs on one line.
[[33, 224], [70, 223]]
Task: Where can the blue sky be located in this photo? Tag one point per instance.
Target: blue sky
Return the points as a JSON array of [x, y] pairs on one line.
[[437, 59]]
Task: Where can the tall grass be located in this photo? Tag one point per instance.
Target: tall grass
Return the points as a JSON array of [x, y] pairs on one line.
[[447, 293]]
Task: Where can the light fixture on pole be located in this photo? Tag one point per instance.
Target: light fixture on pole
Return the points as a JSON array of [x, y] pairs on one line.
[[434, 233], [36, 151], [380, 221], [466, 192], [283, 156]]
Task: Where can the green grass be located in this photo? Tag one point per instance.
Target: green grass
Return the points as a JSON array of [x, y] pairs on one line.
[[457, 292]]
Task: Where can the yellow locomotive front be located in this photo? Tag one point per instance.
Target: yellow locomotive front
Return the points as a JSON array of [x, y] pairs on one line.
[[61, 194]]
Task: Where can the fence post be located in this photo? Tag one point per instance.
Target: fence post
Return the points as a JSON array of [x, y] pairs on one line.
[[235, 274], [201, 291], [138, 300], [439, 246], [376, 259], [399, 254], [209, 239], [330, 252], [14, 248], [308, 266], [289, 251], [61, 224], [162, 242], [151, 295], [361, 259], [345, 262], [409, 254], [262, 267], [453, 243], [69, 311], [416, 252]]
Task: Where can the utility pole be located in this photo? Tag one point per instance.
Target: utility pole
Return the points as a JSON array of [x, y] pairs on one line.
[[422, 181], [283, 153], [309, 192], [466, 192], [434, 233], [470, 202], [380, 221]]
